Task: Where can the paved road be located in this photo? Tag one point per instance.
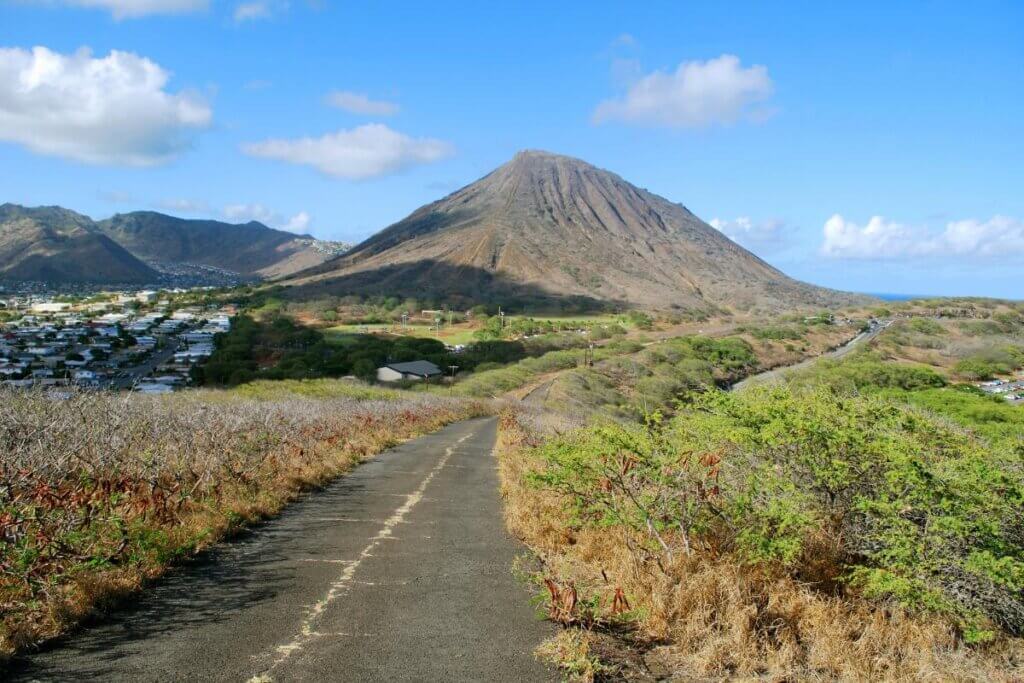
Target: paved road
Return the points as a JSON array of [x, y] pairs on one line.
[[399, 571], [834, 354]]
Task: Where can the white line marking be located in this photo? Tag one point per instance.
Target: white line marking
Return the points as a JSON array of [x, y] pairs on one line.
[[340, 586], [348, 519]]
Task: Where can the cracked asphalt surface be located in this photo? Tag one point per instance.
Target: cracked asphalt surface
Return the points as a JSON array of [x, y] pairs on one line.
[[399, 571]]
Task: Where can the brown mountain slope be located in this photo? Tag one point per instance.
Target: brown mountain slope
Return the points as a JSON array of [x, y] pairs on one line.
[[550, 225], [51, 244], [251, 249]]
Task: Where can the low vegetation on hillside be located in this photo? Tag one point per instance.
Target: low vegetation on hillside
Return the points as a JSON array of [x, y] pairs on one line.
[[100, 492], [861, 521], [279, 348]]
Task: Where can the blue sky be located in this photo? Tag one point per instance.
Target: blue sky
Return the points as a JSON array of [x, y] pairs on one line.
[[866, 147]]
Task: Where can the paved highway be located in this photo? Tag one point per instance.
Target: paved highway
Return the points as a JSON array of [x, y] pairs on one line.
[[399, 571]]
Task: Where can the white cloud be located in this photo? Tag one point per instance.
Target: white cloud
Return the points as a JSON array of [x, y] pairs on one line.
[[251, 11], [107, 110], [758, 235], [697, 94], [131, 9], [356, 154], [881, 239], [358, 103], [243, 213], [299, 223]]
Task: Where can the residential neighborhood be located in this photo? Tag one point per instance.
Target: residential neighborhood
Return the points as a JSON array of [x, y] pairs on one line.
[[1010, 390], [134, 340]]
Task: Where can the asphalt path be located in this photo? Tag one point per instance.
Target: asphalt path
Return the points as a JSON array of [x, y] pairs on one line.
[[834, 354], [399, 571]]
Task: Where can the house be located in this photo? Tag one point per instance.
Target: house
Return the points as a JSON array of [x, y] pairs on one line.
[[413, 370], [50, 307], [153, 388]]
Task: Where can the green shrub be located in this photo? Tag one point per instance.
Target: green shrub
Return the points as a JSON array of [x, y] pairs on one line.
[[866, 372], [916, 511], [926, 326]]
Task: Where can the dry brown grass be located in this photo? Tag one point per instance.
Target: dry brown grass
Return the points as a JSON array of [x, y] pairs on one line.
[[100, 493], [713, 618]]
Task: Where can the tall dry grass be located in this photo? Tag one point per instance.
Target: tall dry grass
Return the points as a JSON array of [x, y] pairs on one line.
[[707, 616], [100, 492]]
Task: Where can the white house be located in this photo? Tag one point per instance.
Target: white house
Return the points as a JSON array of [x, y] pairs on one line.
[[154, 388], [413, 370], [50, 307]]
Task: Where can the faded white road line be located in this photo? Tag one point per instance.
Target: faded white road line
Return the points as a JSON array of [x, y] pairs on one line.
[[339, 587]]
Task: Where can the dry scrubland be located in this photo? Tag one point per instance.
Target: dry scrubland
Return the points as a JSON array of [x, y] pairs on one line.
[[100, 492], [703, 601], [865, 522], [625, 385]]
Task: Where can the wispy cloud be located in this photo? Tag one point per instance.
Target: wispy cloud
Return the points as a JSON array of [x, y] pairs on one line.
[[758, 236], [697, 94], [252, 11], [624, 40], [180, 205], [359, 153], [107, 110], [359, 103], [132, 9], [243, 213]]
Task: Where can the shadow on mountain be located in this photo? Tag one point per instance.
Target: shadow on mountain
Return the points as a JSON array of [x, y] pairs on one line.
[[454, 286]]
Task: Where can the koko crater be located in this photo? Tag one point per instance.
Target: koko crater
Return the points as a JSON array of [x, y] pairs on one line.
[[550, 226]]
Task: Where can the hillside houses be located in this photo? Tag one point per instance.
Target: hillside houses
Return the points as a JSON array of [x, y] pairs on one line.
[[1009, 390], [140, 343]]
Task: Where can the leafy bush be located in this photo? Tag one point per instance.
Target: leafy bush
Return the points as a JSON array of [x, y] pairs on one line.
[[855, 492], [926, 326], [866, 371], [976, 369], [775, 332]]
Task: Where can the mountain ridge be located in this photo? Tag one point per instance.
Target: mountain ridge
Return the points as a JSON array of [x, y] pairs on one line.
[[60, 246], [56, 244]]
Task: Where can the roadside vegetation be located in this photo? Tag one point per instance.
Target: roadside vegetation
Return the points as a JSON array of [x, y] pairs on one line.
[[101, 492], [861, 520]]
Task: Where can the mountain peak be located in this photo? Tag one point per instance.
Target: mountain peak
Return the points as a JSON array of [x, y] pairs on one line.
[[548, 225], [543, 158]]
